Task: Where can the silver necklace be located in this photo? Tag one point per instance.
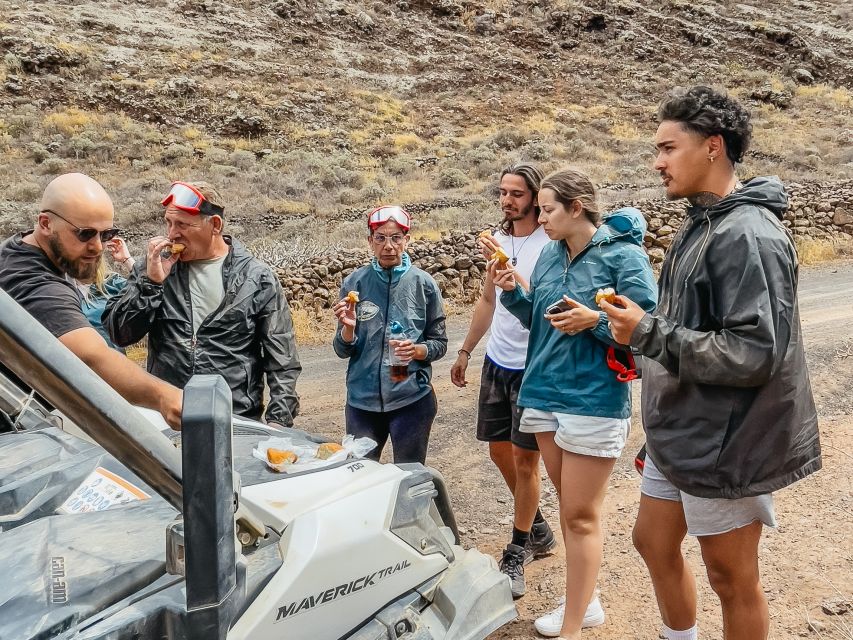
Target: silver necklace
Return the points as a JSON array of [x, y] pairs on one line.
[[520, 247]]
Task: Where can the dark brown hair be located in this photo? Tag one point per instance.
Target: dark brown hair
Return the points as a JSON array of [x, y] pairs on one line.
[[532, 176], [708, 112]]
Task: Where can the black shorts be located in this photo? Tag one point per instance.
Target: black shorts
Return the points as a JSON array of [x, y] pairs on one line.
[[498, 413]]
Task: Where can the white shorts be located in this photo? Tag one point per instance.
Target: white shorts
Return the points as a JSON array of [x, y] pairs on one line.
[[708, 516], [584, 435]]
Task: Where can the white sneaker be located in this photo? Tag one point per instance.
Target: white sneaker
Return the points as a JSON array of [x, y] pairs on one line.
[[550, 624]]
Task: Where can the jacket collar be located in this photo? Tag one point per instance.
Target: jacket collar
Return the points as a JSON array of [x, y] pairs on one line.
[[767, 192], [395, 273]]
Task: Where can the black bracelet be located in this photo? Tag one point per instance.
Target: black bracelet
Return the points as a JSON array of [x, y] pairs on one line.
[[465, 351]]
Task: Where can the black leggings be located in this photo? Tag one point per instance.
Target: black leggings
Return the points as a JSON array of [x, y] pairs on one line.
[[408, 427]]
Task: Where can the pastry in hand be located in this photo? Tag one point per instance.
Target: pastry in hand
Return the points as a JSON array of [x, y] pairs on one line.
[[281, 456], [501, 256], [608, 295], [328, 449], [172, 250], [352, 297]]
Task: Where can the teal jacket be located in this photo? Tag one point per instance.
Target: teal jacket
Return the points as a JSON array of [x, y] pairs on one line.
[[569, 374], [95, 302], [404, 294]]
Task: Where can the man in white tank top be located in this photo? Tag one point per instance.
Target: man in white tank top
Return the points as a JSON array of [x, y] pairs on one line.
[[515, 454]]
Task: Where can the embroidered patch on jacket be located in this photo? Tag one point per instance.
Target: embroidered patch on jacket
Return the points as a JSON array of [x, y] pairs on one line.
[[366, 310]]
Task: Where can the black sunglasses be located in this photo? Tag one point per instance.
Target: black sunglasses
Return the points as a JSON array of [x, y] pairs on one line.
[[84, 235]]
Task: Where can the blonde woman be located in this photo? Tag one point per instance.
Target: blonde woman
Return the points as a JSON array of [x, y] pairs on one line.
[[105, 284]]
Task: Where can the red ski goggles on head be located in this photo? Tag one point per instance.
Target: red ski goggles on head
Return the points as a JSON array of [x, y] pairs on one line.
[[381, 215], [622, 362], [190, 200]]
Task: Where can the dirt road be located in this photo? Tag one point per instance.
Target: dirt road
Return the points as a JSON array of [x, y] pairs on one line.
[[807, 562]]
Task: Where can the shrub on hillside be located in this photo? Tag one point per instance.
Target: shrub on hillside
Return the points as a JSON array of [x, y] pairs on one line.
[[38, 152], [400, 165], [292, 252], [373, 193], [242, 159], [507, 139], [52, 166], [176, 152], [25, 192], [216, 155], [536, 150], [80, 147], [481, 161], [452, 178]]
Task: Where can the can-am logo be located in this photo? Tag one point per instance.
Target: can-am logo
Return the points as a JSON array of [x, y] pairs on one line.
[[333, 593], [58, 585]]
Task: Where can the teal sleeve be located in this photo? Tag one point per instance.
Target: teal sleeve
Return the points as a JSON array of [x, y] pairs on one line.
[[520, 304], [636, 281]]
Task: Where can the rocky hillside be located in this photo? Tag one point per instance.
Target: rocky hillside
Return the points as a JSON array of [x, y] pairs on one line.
[[305, 113]]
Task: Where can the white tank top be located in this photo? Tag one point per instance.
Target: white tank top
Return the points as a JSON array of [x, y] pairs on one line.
[[507, 346]]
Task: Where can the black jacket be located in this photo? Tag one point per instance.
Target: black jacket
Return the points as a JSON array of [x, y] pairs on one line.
[[249, 335], [727, 404]]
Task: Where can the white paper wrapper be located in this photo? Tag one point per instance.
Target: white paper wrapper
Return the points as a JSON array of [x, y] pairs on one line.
[[306, 454]]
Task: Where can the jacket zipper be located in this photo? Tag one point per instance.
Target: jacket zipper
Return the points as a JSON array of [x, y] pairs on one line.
[[589, 245], [188, 298], [680, 236], [674, 251], [384, 341]]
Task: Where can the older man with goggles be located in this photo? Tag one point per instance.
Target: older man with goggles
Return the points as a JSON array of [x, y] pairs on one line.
[[208, 306]]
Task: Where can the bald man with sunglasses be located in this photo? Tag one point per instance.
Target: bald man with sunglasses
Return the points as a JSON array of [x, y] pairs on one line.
[[209, 306], [37, 268]]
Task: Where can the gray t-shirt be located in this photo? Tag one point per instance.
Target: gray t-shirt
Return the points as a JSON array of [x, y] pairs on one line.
[[206, 288]]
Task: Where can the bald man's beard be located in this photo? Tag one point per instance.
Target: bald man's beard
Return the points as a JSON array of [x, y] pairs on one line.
[[77, 269]]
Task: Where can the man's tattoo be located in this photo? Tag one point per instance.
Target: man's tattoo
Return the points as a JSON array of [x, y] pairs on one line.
[[704, 199]]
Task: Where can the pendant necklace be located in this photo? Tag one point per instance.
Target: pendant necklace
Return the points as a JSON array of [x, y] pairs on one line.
[[512, 244]]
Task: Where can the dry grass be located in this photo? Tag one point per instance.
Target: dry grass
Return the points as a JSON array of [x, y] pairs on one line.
[[417, 189], [427, 234], [825, 96], [812, 251], [311, 328], [138, 353], [69, 121], [455, 309]]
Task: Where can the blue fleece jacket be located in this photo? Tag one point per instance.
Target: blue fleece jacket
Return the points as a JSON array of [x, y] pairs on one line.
[[569, 374], [406, 295]]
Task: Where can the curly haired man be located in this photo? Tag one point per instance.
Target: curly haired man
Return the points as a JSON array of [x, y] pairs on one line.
[[727, 404]]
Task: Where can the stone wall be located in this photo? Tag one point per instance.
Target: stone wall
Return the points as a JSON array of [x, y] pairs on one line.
[[819, 211]]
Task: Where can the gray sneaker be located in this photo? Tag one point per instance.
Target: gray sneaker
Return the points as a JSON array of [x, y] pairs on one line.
[[512, 564], [540, 543]]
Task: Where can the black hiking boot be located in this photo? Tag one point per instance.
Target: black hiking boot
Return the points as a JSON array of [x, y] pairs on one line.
[[541, 542], [512, 564]]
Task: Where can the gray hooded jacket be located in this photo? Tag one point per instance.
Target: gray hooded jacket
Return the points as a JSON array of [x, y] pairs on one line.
[[250, 335], [727, 404]]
